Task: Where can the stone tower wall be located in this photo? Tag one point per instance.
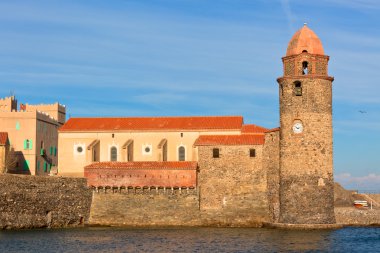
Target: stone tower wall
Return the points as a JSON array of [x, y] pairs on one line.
[[271, 161], [233, 186], [306, 160]]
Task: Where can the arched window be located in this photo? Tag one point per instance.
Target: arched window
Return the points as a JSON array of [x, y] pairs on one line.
[[181, 153], [113, 154], [304, 68]]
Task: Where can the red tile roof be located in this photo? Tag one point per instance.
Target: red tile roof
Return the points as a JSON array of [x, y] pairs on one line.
[[153, 123], [233, 140], [3, 138], [273, 130], [143, 165], [253, 129]]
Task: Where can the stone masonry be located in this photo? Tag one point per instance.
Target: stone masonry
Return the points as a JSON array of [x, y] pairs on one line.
[[306, 165], [233, 184], [145, 207], [35, 202], [271, 161]]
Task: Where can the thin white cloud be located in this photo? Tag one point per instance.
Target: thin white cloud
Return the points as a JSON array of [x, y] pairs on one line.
[[288, 13], [370, 182]]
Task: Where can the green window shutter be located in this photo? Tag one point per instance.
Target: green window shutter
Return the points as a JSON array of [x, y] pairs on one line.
[[51, 151], [26, 165], [17, 125], [30, 144], [25, 144], [38, 165], [55, 151], [45, 166]]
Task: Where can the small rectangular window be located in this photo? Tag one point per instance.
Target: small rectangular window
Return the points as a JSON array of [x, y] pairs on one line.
[[215, 153], [298, 88], [252, 152], [27, 144]]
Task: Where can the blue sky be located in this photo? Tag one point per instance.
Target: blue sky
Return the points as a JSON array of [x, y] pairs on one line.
[[196, 57]]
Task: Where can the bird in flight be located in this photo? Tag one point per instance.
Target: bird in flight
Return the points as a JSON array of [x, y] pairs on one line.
[[362, 111]]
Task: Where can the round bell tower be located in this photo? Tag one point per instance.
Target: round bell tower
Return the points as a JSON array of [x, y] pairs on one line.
[[306, 137]]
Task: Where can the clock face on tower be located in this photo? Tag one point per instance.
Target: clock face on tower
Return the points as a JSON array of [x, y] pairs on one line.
[[297, 127]]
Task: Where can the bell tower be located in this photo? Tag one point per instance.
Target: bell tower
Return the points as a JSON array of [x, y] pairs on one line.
[[306, 138]]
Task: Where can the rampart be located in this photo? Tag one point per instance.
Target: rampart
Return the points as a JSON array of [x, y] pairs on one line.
[[145, 207], [35, 202]]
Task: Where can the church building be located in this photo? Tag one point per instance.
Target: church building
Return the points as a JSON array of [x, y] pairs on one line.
[[282, 175]]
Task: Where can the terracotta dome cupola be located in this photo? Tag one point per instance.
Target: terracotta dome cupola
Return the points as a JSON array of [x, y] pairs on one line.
[[305, 40], [305, 55]]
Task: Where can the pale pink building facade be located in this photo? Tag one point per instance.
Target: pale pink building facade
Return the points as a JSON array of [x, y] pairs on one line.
[[33, 135]]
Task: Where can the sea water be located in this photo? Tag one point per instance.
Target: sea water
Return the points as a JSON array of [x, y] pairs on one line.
[[107, 239]]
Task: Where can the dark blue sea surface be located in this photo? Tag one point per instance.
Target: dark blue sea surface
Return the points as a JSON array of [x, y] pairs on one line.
[[105, 239]]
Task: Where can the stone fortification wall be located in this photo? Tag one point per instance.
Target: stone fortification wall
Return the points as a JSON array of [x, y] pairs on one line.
[[232, 191], [169, 207], [233, 187], [145, 207], [355, 216], [271, 161], [33, 202]]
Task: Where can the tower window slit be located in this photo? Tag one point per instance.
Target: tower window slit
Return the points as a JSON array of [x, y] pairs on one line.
[[298, 88]]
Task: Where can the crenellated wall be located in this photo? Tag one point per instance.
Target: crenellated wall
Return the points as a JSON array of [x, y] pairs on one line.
[[99, 175]]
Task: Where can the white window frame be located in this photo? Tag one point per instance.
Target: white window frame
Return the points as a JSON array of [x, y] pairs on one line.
[[76, 146], [144, 146]]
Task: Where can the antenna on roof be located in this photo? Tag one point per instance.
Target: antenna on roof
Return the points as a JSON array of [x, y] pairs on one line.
[[305, 24], [11, 93]]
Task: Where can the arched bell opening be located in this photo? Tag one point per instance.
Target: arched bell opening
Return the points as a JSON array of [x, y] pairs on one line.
[[305, 69]]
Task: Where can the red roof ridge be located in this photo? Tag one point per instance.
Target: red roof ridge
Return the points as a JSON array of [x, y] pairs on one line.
[[253, 129], [153, 123], [273, 130], [158, 117]]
